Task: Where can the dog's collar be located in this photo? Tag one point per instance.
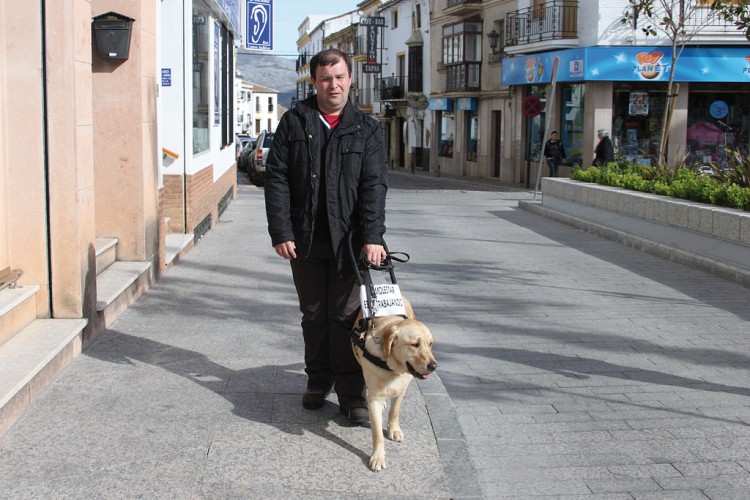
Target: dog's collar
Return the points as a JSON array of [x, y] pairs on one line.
[[358, 338]]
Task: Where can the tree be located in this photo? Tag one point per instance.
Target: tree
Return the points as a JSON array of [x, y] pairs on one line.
[[673, 19]]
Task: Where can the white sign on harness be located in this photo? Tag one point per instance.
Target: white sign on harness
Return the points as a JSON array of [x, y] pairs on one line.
[[386, 301]]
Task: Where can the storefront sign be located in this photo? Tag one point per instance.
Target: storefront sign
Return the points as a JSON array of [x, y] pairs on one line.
[[231, 9], [372, 21], [259, 25], [638, 103], [441, 104], [627, 64], [166, 77], [466, 103]]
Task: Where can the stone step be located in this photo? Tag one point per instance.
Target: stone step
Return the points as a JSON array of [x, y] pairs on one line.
[[17, 309], [119, 286], [31, 359], [177, 244], [106, 253]]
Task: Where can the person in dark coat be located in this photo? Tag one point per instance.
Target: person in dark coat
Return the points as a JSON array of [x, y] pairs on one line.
[[604, 152], [326, 177], [554, 152]]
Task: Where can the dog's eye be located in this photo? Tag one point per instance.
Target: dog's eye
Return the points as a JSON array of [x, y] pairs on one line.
[[417, 344]]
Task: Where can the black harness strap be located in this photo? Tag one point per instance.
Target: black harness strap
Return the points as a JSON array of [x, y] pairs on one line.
[[358, 338], [362, 273]]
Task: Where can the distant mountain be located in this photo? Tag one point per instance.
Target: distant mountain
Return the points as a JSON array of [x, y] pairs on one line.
[[274, 72]]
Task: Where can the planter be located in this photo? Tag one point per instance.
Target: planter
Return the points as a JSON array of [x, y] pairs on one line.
[[707, 237]]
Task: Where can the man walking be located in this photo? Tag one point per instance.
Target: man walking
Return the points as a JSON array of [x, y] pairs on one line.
[[326, 177]]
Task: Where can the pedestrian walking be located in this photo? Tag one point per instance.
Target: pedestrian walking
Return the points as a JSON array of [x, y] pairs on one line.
[[326, 177], [604, 152], [554, 152]]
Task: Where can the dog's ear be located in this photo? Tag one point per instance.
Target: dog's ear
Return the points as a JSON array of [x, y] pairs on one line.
[[390, 334]]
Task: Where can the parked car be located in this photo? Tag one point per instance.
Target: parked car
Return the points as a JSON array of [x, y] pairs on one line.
[[243, 156], [258, 157]]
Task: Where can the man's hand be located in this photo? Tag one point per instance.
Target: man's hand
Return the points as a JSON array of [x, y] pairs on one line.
[[375, 254], [287, 250]]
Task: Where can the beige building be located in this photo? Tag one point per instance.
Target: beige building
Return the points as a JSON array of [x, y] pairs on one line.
[[93, 189]]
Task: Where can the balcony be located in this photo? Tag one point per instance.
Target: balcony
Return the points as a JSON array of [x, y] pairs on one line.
[[710, 27], [554, 20], [391, 88], [462, 7]]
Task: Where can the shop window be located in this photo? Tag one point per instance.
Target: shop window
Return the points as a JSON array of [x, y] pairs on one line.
[[535, 126], [717, 120], [472, 135], [447, 129], [571, 124], [200, 81], [638, 118]]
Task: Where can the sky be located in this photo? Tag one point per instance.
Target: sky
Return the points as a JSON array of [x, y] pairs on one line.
[[288, 14]]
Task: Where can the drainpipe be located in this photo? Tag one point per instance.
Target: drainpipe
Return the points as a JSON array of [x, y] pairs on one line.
[[45, 152], [184, 126]]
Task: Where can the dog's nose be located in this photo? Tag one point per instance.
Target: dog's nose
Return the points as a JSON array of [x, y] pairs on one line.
[[432, 366]]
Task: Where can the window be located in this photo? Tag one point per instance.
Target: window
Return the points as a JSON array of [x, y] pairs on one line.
[[270, 104], [257, 104], [445, 139], [269, 127], [227, 87], [200, 81], [462, 55], [417, 16], [415, 69], [472, 135], [394, 19]]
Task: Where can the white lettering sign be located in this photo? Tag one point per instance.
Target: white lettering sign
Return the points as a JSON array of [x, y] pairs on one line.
[[386, 301]]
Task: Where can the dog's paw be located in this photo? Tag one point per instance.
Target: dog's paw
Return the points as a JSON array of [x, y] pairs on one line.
[[395, 434], [377, 462]]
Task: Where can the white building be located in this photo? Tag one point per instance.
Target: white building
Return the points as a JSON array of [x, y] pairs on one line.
[[403, 85], [312, 32], [256, 107]]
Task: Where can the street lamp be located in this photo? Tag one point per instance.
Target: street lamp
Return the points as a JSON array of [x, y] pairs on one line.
[[494, 38]]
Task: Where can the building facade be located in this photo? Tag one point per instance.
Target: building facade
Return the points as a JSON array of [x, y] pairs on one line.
[[611, 76], [115, 132], [256, 108]]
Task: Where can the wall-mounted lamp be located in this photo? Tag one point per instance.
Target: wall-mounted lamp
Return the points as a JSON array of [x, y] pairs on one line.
[[494, 38]]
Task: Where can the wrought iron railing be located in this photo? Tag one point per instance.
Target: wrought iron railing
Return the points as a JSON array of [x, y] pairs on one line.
[[554, 20], [391, 88], [704, 19]]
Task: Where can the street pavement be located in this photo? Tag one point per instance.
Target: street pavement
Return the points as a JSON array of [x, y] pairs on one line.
[[570, 367]]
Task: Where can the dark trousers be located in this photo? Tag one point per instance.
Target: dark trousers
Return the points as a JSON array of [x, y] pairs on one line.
[[552, 163], [329, 304]]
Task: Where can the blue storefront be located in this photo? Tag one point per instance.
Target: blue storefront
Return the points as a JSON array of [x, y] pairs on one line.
[[713, 111]]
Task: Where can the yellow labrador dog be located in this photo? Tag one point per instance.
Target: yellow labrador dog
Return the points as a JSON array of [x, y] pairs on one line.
[[405, 346]]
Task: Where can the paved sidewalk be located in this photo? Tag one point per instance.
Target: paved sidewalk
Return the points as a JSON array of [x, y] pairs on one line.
[[570, 367], [195, 392]]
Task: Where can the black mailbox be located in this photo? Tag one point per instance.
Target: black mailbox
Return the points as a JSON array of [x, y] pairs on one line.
[[112, 34]]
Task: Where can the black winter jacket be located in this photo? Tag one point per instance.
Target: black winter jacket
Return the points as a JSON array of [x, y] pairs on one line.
[[356, 180]]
